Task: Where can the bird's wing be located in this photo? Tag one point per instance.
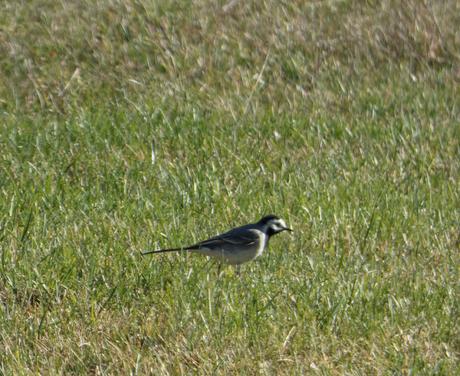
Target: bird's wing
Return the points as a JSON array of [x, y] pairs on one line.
[[236, 238]]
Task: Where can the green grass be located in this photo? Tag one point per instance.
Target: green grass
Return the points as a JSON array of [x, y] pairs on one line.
[[364, 101]]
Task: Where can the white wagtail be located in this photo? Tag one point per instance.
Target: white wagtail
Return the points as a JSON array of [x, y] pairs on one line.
[[240, 244]]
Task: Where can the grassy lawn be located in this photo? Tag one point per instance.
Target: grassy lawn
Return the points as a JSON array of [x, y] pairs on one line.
[[342, 117]]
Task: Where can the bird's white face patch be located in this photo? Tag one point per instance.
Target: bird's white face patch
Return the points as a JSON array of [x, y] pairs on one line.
[[277, 225]]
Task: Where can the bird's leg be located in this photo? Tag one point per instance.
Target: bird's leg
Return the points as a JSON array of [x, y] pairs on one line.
[[219, 267], [238, 270], [209, 265]]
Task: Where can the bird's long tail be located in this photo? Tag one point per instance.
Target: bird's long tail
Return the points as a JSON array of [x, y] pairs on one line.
[[164, 250]]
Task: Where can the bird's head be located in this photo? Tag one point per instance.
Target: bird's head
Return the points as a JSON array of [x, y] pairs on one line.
[[273, 225]]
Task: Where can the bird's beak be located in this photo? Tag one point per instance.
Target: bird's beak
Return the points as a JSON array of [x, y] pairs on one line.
[[288, 229]]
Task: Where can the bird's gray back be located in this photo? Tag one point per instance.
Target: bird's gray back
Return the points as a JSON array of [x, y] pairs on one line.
[[236, 246]]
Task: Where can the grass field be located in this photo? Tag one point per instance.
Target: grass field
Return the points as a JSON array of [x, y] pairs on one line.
[[342, 117]]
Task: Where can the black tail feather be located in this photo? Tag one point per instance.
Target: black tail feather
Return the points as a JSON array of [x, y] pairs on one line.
[[164, 251]]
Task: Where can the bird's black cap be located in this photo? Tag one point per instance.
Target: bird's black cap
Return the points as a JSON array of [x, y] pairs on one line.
[[268, 218]]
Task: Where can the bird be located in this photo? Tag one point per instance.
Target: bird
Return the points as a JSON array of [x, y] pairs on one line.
[[238, 245]]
